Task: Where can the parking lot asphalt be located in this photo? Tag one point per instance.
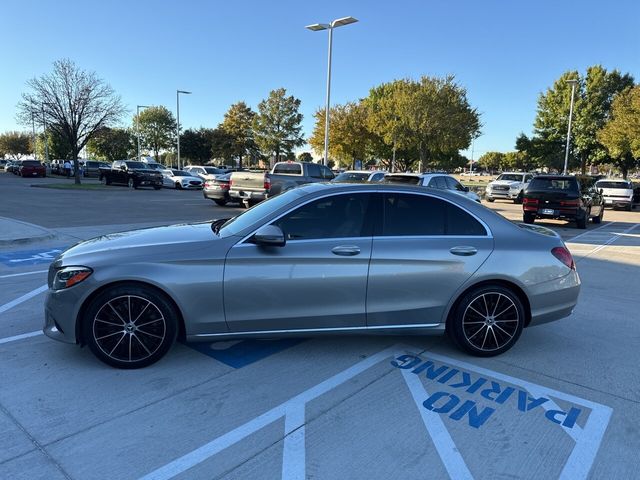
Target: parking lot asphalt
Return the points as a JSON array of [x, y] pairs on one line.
[[563, 403]]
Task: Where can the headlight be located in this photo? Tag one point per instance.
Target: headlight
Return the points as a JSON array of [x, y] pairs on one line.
[[69, 276]]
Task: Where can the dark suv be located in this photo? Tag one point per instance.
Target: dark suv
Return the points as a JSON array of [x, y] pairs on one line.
[[562, 197]]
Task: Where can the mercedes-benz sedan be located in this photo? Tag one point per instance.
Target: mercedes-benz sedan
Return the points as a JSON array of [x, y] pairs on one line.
[[322, 258]]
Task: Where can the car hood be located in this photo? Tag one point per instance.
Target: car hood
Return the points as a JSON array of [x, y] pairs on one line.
[[189, 178], [136, 243], [504, 182]]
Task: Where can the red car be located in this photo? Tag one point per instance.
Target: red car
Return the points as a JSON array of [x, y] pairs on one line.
[[32, 168]]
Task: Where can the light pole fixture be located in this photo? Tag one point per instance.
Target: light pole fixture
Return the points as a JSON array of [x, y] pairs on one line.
[[178, 92], [138, 125], [329, 26], [573, 83]]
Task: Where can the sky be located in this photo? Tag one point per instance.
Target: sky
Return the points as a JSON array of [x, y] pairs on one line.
[[505, 53]]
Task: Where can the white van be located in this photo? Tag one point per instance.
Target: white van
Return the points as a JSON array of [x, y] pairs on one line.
[[616, 192]]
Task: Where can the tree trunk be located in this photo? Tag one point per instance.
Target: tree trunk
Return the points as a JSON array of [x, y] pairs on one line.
[[239, 161], [583, 164], [76, 169]]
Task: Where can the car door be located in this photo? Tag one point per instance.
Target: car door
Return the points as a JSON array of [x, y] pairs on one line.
[[318, 280], [454, 185], [424, 250]]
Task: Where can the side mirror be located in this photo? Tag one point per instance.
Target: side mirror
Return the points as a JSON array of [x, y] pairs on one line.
[[269, 236], [466, 189]]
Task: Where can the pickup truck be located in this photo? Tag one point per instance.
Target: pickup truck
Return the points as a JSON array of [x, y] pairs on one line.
[[250, 188], [131, 173]]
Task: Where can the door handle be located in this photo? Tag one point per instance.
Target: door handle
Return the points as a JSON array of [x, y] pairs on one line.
[[464, 251], [346, 250]]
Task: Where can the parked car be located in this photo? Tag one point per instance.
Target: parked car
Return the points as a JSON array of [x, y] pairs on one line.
[[92, 168], [15, 168], [562, 197], [57, 167], [217, 189], [9, 166], [130, 173], [3, 163], [32, 168], [508, 186], [616, 192], [391, 258], [359, 176], [440, 181], [179, 179], [250, 188], [205, 172]]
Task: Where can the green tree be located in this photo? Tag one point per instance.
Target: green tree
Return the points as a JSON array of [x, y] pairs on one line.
[[493, 161], [305, 157], [15, 144], [157, 127], [112, 144], [278, 124], [621, 134], [592, 104], [238, 123], [195, 145], [58, 146], [222, 145], [74, 103]]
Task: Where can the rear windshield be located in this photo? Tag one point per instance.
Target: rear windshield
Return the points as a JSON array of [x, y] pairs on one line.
[[288, 168], [621, 185], [30, 163], [564, 184], [136, 165], [405, 179], [347, 177]]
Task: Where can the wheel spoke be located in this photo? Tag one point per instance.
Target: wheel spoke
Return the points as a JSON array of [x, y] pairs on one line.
[[494, 337], [477, 332], [507, 333], [109, 323], [130, 346], [142, 343], [486, 333], [150, 334], [486, 308], [143, 310], [109, 335], [149, 323], [114, 348], [508, 308], [495, 307], [116, 312], [500, 321], [481, 314], [129, 307]]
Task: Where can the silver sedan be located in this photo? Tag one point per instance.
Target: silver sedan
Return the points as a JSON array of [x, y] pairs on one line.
[[322, 258]]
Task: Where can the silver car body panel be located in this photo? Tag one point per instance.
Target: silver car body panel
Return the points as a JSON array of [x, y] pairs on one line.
[[224, 286]]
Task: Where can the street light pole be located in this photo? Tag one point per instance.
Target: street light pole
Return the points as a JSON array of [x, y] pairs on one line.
[[33, 127], [178, 92], [138, 125], [329, 26], [46, 142], [566, 153]]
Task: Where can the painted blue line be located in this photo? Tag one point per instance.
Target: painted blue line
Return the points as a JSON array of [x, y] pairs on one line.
[[246, 352], [23, 258]]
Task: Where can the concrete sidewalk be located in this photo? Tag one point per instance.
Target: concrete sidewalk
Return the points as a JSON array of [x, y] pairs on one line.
[[15, 231]]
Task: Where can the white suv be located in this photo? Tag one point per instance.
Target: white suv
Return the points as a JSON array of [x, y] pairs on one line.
[[509, 186], [616, 193]]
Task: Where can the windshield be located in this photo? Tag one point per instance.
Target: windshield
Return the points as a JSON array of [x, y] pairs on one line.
[[180, 173], [566, 184], [136, 165], [512, 177], [349, 177], [620, 185], [254, 214]]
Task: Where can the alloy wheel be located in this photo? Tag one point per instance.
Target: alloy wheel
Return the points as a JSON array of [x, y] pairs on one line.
[[490, 321], [129, 328]]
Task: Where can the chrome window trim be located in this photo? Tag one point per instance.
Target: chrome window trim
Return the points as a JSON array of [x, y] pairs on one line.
[[427, 194]]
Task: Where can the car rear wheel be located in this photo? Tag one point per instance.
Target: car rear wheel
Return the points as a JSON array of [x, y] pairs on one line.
[[491, 200], [598, 219], [487, 321], [581, 222], [518, 199], [528, 217], [130, 326], [220, 202]]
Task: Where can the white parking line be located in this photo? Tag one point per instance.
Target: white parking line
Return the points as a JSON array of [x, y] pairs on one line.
[[21, 274], [20, 337], [588, 232], [23, 298]]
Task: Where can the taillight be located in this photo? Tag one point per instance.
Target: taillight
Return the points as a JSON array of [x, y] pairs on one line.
[[267, 183], [562, 254], [207, 184], [570, 203], [530, 204]]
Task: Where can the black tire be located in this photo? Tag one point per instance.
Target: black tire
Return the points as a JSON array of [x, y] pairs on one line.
[[178, 186], [220, 202], [131, 183], [117, 339], [598, 219], [581, 222], [487, 329], [490, 200], [629, 208], [518, 199], [528, 217], [157, 187]]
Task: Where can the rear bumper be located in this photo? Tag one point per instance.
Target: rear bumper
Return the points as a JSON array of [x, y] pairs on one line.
[[247, 195], [555, 299], [215, 194]]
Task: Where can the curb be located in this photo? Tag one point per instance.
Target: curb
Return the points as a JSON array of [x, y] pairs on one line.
[[45, 234]]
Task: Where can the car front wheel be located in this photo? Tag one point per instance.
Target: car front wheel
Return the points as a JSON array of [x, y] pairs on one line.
[[130, 326], [487, 321], [528, 217]]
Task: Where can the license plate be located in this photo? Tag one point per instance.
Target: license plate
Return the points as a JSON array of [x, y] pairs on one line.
[[608, 201], [34, 173], [547, 211]]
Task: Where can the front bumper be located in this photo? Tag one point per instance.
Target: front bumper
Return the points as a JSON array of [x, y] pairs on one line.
[[61, 309], [505, 194]]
